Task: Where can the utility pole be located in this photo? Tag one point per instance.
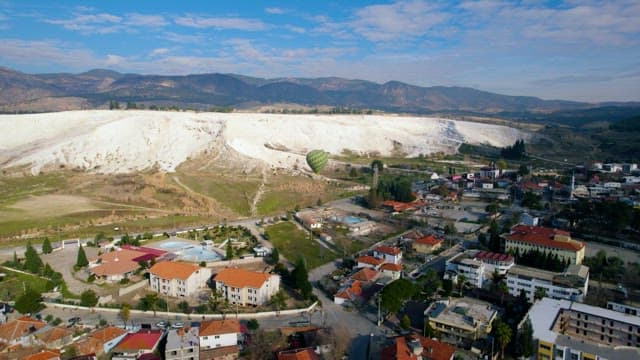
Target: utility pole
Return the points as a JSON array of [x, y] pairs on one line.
[[379, 298]]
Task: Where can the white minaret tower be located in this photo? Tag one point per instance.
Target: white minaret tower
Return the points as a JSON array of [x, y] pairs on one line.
[[573, 184]]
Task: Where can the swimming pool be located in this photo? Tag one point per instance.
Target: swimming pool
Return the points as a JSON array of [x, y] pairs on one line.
[[352, 220], [190, 251]]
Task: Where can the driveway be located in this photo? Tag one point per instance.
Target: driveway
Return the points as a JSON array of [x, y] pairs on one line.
[[63, 261]]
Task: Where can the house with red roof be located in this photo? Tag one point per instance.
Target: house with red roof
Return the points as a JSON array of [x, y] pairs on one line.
[[369, 261], [101, 341], [45, 355], [392, 271], [20, 331], [416, 347], [350, 292], [245, 287], [426, 244], [298, 354], [134, 345], [388, 254], [523, 238], [366, 275], [219, 339], [116, 265]]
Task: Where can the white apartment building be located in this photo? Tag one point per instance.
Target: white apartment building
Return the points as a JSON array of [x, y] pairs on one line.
[[572, 284], [477, 266], [177, 279], [246, 287]]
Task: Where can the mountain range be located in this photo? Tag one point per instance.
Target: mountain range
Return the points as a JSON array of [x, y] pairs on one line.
[[21, 92]]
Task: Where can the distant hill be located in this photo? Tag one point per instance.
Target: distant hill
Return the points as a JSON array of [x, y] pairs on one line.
[[20, 92]]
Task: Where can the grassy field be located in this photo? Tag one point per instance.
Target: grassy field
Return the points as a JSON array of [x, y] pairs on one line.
[[15, 283], [292, 242]]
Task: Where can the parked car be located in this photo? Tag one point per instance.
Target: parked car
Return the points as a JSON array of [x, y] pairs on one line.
[[161, 324], [177, 325]]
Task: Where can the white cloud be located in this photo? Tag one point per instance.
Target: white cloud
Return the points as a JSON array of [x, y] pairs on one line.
[[222, 23], [295, 29], [275, 10], [182, 38], [135, 19], [158, 52], [100, 23], [398, 20]]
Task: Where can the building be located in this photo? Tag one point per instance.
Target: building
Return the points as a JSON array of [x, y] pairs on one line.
[[182, 344], [529, 220], [388, 254], [489, 172], [53, 336], [349, 292], [45, 355], [20, 331], [477, 266], [219, 339], [369, 261], [623, 308], [366, 275], [101, 341], [117, 264], [524, 238], [471, 269], [392, 271], [177, 279], [134, 345], [246, 287], [426, 244], [461, 319], [298, 354], [567, 330], [572, 284], [416, 347]]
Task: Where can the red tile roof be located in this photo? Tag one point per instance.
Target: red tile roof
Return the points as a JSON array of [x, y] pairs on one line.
[[218, 327], [44, 355], [545, 237], [365, 274], [242, 278], [430, 240], [391, 267], [142, 340], [351, 292], [173, 270], [298, 354], [17, 328], [388, 250], [491, 256], [146, 250], [431, 350], [54, 334], [108, 333], [369, 260]]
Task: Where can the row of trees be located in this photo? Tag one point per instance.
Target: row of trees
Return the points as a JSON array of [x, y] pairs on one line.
[[541, 260], [516, 151]]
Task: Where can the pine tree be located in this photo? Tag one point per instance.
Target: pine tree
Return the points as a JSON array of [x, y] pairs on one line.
[[32, 261], [300, 277], [46, 246], [229, 254], [82, 258], [525, 340]]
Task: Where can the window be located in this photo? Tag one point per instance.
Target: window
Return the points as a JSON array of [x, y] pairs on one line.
[[217, 337], [586, 317], [602, 329], [545, 347], [609, 338], [603, 321], [579, 315], [574, 356], [578, 323], [601, 337], [611, 323], [584, 332]]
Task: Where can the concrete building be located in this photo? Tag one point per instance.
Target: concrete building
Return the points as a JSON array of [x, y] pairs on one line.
[[388, 254], [134, 345], [524, 238], [426, 244], [572, 284], [461, 319], [477, 266], [567, 330], [177, 279], [246, 287], [623, 308], [416, 347], [219, 339], [183, 344], [489, 172]]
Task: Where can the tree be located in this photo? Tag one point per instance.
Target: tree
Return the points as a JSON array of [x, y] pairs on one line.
[[539, 293], [501, 164], [492, 208], [262, 344], [279, 300], [253, 325], [229, 254], [353, 172], [69, 352], [81, 260], [447, 287], [151, 301], [395, 294], [523, 170], [405, 322], [377, 164], [462, 281], [430, 282], [502, 333], [88, 298], [46, 246], [125, 313], [300, 277], [32, 261], [215, 299], [184, 307], [450, 228], [29, 302], [428, 330], [525, 339], [275, 256]]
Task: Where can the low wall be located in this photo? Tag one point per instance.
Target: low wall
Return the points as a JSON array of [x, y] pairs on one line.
[[188, 316]]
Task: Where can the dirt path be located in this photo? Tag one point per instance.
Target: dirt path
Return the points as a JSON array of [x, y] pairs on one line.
[[259, 193]]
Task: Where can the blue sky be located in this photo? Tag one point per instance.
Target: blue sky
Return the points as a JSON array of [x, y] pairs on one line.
[[579, 50]]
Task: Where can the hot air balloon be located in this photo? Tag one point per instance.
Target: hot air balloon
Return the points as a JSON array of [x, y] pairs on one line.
[[317, 159]]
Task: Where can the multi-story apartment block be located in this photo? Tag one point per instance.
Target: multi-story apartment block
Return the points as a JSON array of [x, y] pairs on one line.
[[623, 308], [572, 284], [182, 344], [569, 330], [177, 279], [246, 287], [477, 266], [524, 238], [461, 318]]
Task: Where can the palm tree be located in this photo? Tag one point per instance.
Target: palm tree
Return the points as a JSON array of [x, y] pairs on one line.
[[502, 333], [152, 302], [125, 314], [462, 280], [539, 293]]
